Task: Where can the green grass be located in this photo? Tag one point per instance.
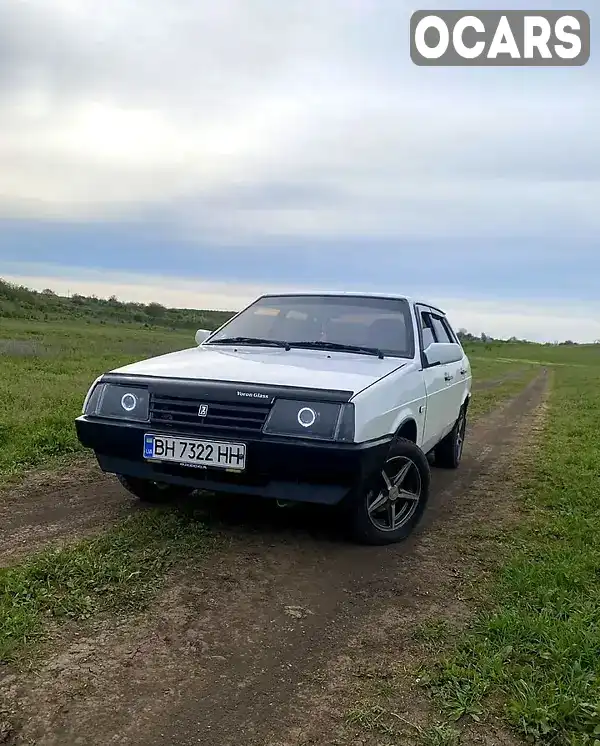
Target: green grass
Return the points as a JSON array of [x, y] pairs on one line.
[[432, 632], [534, 656], [485, 400], [535, 354], [489, 368], [373, 717], [119, 570], [45, 372]]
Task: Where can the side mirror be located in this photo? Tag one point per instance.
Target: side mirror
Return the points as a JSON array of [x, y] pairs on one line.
[[441, 353], [201, 335]]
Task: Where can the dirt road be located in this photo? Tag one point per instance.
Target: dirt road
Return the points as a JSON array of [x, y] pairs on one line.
[[51, 506], [48, 507], [267, 642], [490, 383]]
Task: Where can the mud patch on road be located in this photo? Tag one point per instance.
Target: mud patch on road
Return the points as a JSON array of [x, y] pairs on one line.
[[54, 506], [270, 641]]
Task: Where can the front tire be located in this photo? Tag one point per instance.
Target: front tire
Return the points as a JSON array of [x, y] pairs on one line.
[[151, 492], [387, 508], [448, 452]]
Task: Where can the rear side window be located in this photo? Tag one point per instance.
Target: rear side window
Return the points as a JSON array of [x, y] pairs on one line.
[[435, 328], [450, 330], [441, 334]]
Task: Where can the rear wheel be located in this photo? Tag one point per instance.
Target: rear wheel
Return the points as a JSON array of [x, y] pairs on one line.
[[448, 452], [387, 508], [154, 492]]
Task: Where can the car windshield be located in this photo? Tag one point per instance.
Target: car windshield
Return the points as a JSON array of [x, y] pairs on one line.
[[382, 324]]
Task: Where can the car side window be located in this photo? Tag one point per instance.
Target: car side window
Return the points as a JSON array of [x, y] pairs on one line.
[[441, 334], [450, 330]]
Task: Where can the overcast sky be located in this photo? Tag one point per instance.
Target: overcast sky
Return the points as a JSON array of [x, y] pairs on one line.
[[197, 153]]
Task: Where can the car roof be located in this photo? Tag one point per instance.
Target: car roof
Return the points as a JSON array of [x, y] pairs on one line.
[[354, 294]]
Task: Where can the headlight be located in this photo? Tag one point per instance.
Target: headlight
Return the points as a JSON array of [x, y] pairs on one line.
[[118, 402], [321, 420]]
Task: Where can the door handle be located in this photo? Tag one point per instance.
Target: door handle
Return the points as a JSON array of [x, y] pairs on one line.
[[463, 371], [448, 377]]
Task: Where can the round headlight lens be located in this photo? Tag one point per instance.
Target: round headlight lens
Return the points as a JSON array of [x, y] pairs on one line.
[[129, 402], [307, 417]]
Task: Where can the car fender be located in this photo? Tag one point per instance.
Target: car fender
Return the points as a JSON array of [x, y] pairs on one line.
[[382, 408], [410, 424]]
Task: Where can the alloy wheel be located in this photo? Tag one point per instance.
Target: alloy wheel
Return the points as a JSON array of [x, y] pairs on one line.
[[395, 500]]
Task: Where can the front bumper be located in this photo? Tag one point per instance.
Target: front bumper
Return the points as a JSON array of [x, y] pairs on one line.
[[283, 468]]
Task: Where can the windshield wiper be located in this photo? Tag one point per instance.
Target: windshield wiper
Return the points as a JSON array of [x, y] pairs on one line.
[[321, 345], [316, 344], [250, 341]]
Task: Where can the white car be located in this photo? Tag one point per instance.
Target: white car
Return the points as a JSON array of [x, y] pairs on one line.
[[332, 398]]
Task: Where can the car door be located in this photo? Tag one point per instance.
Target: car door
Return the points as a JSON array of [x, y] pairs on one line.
[[454, 372], [439, 412]]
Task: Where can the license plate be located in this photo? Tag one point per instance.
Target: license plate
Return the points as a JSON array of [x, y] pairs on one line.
[[192, 452]]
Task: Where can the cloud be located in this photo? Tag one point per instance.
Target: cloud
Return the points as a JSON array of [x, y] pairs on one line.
[[293, 120], [271, 142]]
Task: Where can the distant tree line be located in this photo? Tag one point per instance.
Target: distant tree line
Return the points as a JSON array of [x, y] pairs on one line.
[[19, 302], [466, 336]]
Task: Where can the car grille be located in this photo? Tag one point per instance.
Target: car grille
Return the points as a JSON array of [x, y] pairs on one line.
[[181, 414]]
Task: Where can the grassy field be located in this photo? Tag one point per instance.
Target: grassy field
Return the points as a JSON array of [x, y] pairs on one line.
[[523, 354], [533, 655], [45, 372], [530, 656], [46, 369]]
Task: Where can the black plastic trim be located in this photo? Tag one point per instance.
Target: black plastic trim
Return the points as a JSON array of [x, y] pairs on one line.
[[304, 492], [223, 390], [435, 309], [404, 422], [288, 468], [417, 308]]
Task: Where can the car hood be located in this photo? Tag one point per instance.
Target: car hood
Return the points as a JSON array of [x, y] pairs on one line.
[[277, 367]]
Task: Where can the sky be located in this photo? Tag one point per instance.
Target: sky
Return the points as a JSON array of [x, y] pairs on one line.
[[199, 153]]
